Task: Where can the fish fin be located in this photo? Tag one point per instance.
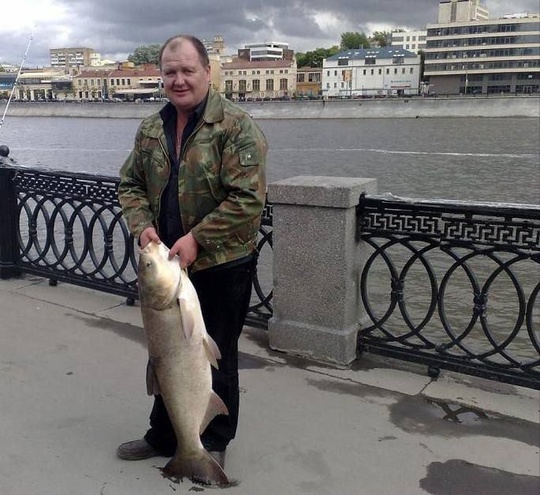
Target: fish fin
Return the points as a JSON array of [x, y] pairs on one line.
[[188, 321], [152, 384], [212, 350], [202, 468], [215, 406]]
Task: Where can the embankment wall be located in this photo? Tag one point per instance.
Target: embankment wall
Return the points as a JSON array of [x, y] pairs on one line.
[[504, 106]]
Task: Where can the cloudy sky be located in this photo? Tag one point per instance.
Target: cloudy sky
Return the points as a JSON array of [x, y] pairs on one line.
[[115, 28]]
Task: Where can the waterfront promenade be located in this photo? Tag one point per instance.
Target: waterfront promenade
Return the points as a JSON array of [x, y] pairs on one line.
[[73, 388]]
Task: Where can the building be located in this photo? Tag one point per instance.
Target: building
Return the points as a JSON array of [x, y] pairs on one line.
[[462, 11], [271, 50], [132, 84], [37, 84], [414, 41], [7, 81], [308, 82], [371, 72], [217, 57], [123, 83], [269, 79], [467, 53], [74, 57], [90, 85]]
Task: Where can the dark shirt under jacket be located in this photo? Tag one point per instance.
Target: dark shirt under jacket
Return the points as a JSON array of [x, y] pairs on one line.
[[170, 222]]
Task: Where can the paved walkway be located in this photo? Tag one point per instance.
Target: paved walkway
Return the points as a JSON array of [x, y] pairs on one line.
[[72, 388]]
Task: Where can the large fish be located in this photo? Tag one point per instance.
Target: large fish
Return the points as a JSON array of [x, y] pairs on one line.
[[181, 354]]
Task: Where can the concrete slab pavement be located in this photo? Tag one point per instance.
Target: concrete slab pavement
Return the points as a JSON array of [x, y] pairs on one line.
[[72, 388]]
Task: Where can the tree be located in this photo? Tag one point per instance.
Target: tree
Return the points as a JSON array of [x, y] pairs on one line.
[[315, 58], [351, 41], [145, 54], [381, 38]]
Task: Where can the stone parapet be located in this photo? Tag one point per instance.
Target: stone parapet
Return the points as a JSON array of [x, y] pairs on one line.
[[317, 266]]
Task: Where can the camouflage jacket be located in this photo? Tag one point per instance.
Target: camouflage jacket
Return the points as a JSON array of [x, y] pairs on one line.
[[221, 181]]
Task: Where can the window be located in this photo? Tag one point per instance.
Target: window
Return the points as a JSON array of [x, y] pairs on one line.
[[300, 78], [380, 72], [269, 85], [283, 84], [242, 85], [256, 85], [372, 71], [228, 86], [343, 61], [370, 61]]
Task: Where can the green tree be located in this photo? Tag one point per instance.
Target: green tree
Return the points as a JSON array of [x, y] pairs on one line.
[[381, 38], [350, 40], [315, 57], [145, 54]]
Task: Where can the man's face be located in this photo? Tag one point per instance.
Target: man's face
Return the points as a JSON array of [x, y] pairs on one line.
[[185, 79]]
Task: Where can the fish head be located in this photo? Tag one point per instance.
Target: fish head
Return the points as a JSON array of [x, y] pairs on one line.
[[159, 276]]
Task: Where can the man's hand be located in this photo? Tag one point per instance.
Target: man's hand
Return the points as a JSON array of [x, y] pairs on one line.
[[187, 248], [148, 235]]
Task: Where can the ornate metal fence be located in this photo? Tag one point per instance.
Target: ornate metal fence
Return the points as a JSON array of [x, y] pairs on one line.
[[453, 285], [68, 228]]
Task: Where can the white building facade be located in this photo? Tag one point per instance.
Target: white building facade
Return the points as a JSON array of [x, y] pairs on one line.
[[414, 41], [371, 72]]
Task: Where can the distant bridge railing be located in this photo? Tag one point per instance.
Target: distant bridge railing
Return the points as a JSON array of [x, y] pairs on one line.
[[68, 227], [453, 285]]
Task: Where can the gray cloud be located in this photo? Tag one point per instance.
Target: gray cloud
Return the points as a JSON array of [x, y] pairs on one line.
[[116, 27]]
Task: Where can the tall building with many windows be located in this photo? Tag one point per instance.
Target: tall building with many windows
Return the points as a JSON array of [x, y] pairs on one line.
[[74, 57], [467, 53]]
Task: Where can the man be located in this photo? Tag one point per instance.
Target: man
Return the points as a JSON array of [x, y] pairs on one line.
[[195, 180]]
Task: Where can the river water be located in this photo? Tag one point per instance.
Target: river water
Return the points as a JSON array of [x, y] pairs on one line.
[[477, 159], [474, 159]]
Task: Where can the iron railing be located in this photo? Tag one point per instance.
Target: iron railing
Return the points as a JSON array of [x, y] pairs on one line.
[[450, 285], [453, 285], [68, 227]]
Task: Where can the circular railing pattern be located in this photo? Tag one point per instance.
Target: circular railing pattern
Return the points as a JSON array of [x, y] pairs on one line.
[[431, 280], [70, 228]]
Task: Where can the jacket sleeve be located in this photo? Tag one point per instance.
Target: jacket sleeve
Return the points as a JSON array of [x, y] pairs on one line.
[[132, 192], [243, 177]]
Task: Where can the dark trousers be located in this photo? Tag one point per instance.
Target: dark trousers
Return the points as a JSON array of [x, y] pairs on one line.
[[224, 294]]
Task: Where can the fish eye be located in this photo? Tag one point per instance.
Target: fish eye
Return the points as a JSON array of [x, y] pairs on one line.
[[148, 264]]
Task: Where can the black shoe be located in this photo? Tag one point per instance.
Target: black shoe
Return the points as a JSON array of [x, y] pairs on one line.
[[137, 450]]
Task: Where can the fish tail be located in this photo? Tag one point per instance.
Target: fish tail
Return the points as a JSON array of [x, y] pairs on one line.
[[201, 469]]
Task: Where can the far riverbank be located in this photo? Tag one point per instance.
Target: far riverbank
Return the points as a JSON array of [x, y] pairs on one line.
[[416, 107]]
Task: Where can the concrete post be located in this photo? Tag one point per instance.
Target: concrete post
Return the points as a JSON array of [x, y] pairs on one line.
[[317, 258]]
